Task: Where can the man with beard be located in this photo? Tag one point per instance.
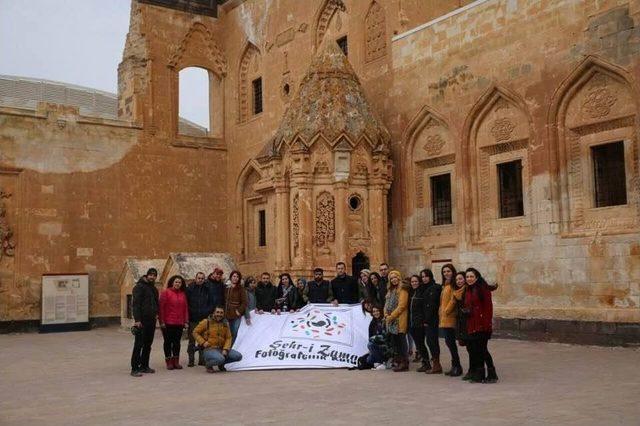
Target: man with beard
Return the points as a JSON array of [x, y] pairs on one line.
[[319, 290], [145, 313], [266, 294], [216, 286]]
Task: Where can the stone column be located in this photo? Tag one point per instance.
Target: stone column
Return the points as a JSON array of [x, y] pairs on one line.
[[305, 212], [283, 257], [378, 224], [340, 190]]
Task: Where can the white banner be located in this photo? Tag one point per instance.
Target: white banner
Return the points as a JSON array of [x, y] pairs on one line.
[[318, 336]]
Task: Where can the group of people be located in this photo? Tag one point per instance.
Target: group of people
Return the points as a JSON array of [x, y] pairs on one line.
[[413, 312]]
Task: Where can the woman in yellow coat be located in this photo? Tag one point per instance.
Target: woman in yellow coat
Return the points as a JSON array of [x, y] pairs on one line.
[[396, 319]]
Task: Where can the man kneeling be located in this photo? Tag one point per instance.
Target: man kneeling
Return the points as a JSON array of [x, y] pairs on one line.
[[214, 337]]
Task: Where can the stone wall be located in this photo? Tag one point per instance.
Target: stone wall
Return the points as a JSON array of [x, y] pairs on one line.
[[540, 82]]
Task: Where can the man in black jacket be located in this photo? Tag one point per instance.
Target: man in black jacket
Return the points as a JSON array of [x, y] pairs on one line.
[[145, 313], [216, 286], [266, 294], [343, 286], [201, 305], [381, 294], [319, 290]]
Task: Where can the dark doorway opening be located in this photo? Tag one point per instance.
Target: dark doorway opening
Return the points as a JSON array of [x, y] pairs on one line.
[[358, 263]]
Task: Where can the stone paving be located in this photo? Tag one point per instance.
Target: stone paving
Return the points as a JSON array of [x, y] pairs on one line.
[[82, 378]]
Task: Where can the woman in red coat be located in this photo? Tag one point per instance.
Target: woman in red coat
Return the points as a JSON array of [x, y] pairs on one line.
[[174, 317], [478, 310]]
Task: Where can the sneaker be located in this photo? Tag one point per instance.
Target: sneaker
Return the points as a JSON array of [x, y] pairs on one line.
[[210, 370], [191, 364], [135, 373], [147, 370], [380, 367], [388, 365]]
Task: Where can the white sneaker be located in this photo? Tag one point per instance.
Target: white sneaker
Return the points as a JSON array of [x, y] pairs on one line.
[[388, 365], [379, 367]]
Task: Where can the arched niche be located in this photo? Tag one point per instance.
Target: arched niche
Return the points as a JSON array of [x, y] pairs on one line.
[[430, 156], [249, 82], [595, 107], [497, 141]]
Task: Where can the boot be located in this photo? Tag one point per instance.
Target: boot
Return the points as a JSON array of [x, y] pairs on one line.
[[403, 364], [176, 363], [492, 377], [468, 376], [169, 362], [424, 367], [477, 376], [456, 370], [417, 357], [437, 368]]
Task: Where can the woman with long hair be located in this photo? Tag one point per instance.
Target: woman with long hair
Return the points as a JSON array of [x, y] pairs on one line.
[[376, 289], [431, 305], [448, 317], [417, 321], [478, 308], [235, 303], [287, 293], [173, 316], [396, 319], [363, 285]]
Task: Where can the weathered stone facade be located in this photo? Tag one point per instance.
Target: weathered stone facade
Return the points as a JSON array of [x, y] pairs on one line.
[[459, 88]]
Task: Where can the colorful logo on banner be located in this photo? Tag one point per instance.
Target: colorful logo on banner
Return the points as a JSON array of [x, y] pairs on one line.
[[317, 324]]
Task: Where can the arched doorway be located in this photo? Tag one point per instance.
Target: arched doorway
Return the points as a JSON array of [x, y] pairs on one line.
[[359, 262]]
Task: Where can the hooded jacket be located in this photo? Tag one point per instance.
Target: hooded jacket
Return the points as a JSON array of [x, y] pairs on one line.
[[145, 301]]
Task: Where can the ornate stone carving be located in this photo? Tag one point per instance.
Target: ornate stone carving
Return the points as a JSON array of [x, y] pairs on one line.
[[502, 128], [599, 98], [329, 8], [295, 219], [438, 161], [321, 168], [7, 246], [325, 219], [434, 145], [214, 53], [244, 99], [375, 33]]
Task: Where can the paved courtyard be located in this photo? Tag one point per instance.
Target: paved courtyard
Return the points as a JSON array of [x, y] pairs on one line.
[[82, 379]]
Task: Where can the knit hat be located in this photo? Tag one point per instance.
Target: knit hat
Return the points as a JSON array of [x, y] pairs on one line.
[[396, 273]]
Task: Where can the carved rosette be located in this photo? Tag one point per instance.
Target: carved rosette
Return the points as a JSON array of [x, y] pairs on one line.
[[434, 145], [598, 102], [325, 219], [7, 246], [502, 129]]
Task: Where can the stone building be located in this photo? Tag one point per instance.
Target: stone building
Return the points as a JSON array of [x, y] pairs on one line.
[[494, 133]]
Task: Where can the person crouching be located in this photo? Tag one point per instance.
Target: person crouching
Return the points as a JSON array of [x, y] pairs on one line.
[[214, 337]]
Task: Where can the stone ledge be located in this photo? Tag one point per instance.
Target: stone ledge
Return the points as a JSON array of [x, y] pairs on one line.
[[566, 331], [32, 326]]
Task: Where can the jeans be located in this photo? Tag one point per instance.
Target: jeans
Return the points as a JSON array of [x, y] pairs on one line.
[[213, 357], [418, 334], [191, 347], [172, 335], [432, 341], [234, 325], [142, 345], [376, 354], [449, 335]]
